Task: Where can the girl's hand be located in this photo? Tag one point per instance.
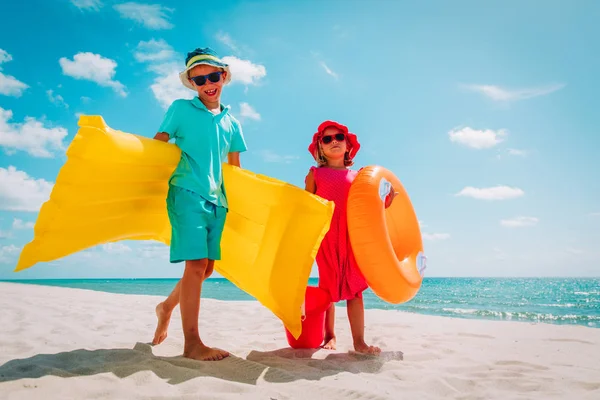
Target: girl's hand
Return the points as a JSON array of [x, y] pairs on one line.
[[390, 197]]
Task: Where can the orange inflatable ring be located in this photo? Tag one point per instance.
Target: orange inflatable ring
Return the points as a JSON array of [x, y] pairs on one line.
[[387, 243]]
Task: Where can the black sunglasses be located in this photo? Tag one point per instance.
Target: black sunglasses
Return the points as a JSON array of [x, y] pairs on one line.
[[200, 80], [340, 137]]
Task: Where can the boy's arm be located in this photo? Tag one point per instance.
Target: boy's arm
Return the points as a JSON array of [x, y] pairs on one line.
[[169, 125], [162, 136], [238, 145], [233, 158]]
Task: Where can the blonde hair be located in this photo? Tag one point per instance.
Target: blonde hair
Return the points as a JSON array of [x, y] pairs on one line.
[[322, 160]]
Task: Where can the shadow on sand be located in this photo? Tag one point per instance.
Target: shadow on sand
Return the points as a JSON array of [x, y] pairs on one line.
[[283, 365], [287, 365]]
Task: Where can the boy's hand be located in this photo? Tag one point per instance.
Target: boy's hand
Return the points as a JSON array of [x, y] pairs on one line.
[[234, 159], [390, 197], [162, 136]]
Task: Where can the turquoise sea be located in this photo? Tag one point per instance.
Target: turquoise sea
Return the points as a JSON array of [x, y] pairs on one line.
[[573, 301]]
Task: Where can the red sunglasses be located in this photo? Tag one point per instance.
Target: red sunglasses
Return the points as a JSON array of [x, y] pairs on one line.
[[339, 137]]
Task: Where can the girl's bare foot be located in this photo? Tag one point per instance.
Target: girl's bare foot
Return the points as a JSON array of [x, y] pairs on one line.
[[363, 348], [198, 351], [162, 326], [329, 343]]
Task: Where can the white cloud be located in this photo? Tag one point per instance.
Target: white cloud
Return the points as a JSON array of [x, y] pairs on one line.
[[94, 5], [512, 153], [85, 254], [498, 93], [58, 99], [227, 41], [4, 56], [500, 255], [154, 251], [20, 224], [116, 248], [247, 111], [161, 58], [85, 99], [595, 214], [574, 251], [436, 236], [517, 152], [340, 31], [95, 68], [167, 87], [154, 50], [491, 193], [8, 253], [519, 222], [272, 157], [422, 224], [245, 71], [151, 16], [328, 70], [20, 192], [9, 85], [30, 136], [5, 235], [477, 139]]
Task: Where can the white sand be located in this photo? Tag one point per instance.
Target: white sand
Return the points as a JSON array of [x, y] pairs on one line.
[[58, 343]]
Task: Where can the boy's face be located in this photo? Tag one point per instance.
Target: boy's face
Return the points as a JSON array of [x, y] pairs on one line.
[[331, 146], [210, 92]]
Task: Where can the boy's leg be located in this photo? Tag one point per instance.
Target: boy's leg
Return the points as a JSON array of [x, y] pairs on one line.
[[163, 314], [356, 316], [165, 308], [191, 288]]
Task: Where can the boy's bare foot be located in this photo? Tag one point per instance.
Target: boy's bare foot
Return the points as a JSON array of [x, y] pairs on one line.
[[329, 343], [162, 327], [201, 352], [363, 348]]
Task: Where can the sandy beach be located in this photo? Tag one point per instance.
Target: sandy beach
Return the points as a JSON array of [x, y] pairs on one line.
[[59, 343]]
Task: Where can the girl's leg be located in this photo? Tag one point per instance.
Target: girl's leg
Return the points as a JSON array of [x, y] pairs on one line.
[[165, 308], [330, 342], [356, 316]]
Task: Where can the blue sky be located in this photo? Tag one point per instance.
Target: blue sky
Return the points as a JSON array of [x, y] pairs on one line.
[[488, 113]]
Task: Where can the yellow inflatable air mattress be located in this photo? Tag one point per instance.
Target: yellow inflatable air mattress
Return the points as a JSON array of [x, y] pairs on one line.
[[114, 185]]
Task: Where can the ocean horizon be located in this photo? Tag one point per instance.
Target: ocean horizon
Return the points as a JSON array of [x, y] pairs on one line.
[[563, 301]]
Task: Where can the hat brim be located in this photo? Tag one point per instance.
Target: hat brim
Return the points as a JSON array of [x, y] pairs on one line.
[[351, 138], [183, 75]]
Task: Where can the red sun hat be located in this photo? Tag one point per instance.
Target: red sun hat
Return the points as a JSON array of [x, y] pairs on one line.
[[352, 141]]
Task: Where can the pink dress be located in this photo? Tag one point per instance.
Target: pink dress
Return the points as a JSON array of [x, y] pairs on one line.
[[338, 271]]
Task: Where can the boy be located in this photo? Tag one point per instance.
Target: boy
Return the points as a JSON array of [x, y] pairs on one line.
[[196, 201]]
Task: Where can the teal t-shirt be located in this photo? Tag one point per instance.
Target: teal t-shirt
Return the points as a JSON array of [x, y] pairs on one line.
[[205, 139]]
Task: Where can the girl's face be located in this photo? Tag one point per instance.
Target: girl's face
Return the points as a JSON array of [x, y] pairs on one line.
[[333, 143], [209, 91]]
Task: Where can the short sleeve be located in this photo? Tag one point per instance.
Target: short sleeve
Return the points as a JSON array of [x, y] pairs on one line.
[[312, 171], [238, 143], [169, 124]]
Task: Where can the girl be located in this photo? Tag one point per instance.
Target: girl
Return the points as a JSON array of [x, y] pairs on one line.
[[333, 147]]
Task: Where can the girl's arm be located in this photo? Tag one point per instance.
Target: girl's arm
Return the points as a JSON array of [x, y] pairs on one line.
[[162, 136], [234, 159], [390, 197], [309, 181]]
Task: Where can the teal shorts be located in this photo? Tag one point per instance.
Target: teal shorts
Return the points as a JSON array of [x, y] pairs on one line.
[[196, 226]]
